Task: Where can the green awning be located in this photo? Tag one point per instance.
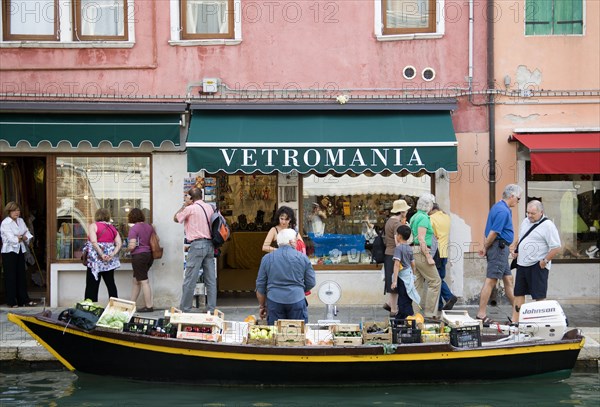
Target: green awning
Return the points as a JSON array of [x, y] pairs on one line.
[[321, 141], [94, 128]]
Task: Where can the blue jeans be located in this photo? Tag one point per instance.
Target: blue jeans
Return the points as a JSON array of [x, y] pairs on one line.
[[445, 293], [200, 257], [276, 311]]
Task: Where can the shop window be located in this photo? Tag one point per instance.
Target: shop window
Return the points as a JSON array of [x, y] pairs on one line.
[[572, 202], [50, 20], [85, 184], [408, 17], [554, 17], [207, 19], [341, 214]]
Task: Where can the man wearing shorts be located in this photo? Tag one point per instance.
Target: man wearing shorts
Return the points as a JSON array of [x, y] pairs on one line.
[[499, 235], [534, 256]]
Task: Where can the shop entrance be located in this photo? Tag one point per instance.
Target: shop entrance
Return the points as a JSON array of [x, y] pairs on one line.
[[23, 180]]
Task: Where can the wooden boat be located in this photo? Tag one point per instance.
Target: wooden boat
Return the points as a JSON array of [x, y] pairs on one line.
[[145, 357]]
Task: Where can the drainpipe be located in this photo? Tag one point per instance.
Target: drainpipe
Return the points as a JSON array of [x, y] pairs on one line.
[[491, 109], [470, 73]]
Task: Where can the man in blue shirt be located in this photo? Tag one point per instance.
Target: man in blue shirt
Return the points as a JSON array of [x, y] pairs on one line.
[[283, 277], [499, 235]]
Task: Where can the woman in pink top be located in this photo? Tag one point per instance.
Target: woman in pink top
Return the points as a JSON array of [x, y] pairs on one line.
[[141, 257], [103, 255]]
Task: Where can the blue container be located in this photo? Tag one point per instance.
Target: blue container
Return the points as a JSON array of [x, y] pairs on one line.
[[344, 243]]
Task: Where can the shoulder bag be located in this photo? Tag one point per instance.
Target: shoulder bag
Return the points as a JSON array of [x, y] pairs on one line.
[[513, 263], [157, 251]]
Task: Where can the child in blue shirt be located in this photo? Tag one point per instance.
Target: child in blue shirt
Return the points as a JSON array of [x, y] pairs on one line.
[[403, 277]]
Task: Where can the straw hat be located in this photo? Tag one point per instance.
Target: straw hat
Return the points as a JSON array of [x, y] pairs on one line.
[[400, 206]]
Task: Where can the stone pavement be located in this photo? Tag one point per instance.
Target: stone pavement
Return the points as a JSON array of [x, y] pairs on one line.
[[17, 345]]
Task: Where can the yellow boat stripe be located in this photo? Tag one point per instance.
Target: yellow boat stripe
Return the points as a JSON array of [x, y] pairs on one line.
[[18, 320], [226, 354]]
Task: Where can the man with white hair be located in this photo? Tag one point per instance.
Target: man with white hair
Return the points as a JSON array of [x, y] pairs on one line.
[[539, 243], [425, 271], [499, 235], [283, 277]]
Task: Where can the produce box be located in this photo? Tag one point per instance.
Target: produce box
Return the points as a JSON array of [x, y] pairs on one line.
[[290, 332], [318, 335], [117, 313], [376, 332], [234, 332], [290, 327], [405, 331], [345, 328], [209, 333], [198, 319], [346, 335], [262, 335], [458, 318], [466, 336], [90, 307], [140, 325], [435, 338]]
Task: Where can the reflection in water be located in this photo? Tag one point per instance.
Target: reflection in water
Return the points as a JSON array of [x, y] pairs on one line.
[[63, 388]]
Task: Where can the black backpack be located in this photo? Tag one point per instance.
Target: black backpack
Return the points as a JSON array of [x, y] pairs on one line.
[[378, 250]]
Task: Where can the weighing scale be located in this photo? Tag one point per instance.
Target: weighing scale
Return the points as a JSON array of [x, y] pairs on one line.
[[329, 293]]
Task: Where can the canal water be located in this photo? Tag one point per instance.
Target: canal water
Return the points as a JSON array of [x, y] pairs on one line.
[[58, 387]]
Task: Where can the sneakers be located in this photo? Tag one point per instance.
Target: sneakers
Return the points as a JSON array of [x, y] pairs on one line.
[[450, 304]]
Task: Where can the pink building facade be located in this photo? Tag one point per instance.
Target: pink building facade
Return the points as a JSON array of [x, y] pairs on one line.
[[133, 101]]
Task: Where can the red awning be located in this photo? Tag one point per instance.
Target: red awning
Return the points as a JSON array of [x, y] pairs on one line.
[[563, 153]]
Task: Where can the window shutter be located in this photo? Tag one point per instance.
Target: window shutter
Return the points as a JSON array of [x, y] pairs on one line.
[[568, 17], [538, 17]]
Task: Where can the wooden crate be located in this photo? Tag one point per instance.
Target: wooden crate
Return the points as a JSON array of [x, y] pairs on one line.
[[287, 340], [116, 305], [198, 336], [347, 340], [290, 331], [383, 332], [345, 328], [198, 319], [262, 341], [209, 332]]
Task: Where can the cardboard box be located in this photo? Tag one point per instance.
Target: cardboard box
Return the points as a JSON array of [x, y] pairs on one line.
[[318, 335], [116, 305], [198, 336], [234, 332], [459, 318]]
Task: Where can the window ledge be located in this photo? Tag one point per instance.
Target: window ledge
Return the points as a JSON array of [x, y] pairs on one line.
[[56, 44], [198, 43], [408, 37]]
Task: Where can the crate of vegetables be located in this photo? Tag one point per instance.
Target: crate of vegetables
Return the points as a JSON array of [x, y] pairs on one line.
[[117, 313], [375, 332], [347, 335]]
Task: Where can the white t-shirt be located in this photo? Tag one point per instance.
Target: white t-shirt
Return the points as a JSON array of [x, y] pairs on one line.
[[317, 225], [538, 243]]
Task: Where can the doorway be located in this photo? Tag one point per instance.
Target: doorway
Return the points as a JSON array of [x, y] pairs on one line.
[[23, 180]]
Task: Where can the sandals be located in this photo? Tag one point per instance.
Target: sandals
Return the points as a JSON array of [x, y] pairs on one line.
[[30, 304], [487, 321]]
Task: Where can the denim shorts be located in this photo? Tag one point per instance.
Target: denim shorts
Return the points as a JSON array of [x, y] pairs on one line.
[[497, 261]]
